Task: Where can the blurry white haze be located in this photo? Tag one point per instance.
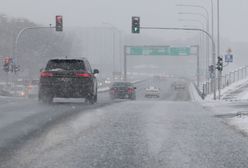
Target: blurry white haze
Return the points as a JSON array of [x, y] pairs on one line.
[[98, 30]]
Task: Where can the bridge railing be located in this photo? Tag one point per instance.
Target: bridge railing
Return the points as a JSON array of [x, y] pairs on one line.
[[226, 80]]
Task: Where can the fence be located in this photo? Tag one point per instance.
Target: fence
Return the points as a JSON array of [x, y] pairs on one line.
[[226, 80]]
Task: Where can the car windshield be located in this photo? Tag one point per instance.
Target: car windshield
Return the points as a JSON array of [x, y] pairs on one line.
[[57, 65]]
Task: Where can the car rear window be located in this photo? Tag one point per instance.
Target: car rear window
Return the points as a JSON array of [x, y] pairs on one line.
[[56, 65], [122, 84]]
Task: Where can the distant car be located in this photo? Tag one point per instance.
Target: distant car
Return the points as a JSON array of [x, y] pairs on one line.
[[123, 90], [33, 91], [152, 91], [179, 85], [107, 81], [68, 78], [19, 91]]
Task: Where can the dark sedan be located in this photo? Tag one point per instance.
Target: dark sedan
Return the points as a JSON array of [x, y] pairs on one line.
[[123, 90]]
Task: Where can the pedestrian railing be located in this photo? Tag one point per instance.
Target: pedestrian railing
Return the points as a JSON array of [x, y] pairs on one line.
[[224, 81]]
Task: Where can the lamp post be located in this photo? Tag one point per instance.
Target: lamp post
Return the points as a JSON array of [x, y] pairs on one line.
[[218, 44], [207, 14], [212, 15], [201, 7], [201, 43], [114, 44], [113, 47], [207, 29]]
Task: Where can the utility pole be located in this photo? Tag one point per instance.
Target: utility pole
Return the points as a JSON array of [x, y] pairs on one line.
[[218, 45], [125, 63], [15, 47]]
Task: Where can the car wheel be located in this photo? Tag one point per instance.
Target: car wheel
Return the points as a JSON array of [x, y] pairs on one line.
[[95, 98], [91, 99], [133, 97], [46, 99], [112, 97]]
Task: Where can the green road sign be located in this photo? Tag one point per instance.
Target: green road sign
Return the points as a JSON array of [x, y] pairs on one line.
[[159, 51]]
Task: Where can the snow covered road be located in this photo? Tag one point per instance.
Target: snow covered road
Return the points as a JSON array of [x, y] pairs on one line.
[[171, 131]]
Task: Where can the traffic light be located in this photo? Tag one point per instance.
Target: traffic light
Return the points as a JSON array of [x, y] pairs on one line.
[[220, 64], [211, 69], [135, 24], [7, 63], [6, 67], [17, 68], [59, 23]]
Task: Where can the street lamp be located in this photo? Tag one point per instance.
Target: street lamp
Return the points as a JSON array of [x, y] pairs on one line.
[[201, 7], [197, 14], [212, 15], [113, 51], [114, 45], [201, 43], [207, 27], [212, 19], [218, 43], [203, 26]]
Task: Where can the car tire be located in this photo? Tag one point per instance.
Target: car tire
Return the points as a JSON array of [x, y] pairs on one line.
[[95, 98], [91, 99], [112, 97], [133, 97], [46, 99]]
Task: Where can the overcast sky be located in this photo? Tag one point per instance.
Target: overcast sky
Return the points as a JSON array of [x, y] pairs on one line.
[[234, 24]]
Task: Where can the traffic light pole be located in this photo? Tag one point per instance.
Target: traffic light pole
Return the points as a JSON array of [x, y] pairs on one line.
[[125, 63], [18, 37], [219, 83], [199, 30]]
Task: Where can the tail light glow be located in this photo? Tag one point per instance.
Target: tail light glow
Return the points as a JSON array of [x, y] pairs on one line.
[[46, 74], [130, 90], [84, 75], [113, 90]]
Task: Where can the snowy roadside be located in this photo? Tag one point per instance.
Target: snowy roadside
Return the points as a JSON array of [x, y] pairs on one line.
[[228, 91], [234, 114], [8, 99], [233, 106], [194, 94]]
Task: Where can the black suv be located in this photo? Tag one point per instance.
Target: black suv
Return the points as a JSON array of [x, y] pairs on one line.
[[68, 78]]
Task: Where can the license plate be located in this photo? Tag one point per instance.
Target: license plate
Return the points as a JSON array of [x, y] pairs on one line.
[[65, 79]]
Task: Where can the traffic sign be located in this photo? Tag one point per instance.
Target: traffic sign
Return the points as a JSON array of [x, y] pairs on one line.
[[159, 51], [228, 58]]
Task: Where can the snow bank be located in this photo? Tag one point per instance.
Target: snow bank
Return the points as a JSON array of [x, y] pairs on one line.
[[194, 94], [231, 88]]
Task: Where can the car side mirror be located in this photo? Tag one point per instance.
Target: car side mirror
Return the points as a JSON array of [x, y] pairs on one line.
[[96, 71], [135, 88]]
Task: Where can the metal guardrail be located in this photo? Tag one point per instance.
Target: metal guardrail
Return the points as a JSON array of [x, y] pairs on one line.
[[199, 92], [226, 80], [232, 115]]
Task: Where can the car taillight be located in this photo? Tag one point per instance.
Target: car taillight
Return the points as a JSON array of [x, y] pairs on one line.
[[46, 74], [113, 90], [84, 75], [130, 90]]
